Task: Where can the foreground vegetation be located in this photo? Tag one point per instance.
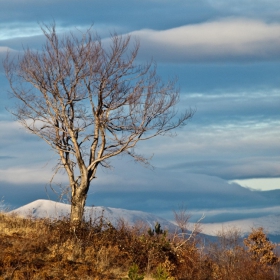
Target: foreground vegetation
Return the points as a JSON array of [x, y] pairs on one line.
[[45, 249]]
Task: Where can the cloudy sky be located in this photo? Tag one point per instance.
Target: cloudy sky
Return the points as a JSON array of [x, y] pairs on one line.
[[226, 56]]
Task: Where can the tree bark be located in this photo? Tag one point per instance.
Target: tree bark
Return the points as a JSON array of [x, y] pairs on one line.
[[78, 200]]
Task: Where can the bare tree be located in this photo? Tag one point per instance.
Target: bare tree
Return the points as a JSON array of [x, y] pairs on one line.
[[182, 217], [188, 232], [90, 102]]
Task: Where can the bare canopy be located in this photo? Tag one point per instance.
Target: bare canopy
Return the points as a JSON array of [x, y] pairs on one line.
[[90, 101]]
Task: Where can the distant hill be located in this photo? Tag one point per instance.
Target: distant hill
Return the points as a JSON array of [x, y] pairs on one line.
[[55, 210]]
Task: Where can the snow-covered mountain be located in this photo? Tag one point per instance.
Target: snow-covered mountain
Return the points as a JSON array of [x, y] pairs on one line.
[[54, 210]]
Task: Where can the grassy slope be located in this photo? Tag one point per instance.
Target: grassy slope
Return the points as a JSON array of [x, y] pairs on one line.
[[45, 249]]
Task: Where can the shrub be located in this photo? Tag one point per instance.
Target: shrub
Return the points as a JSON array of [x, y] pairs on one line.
[[133, 273]]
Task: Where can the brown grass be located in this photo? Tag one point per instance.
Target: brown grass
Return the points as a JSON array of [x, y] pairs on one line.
[[45, 249]]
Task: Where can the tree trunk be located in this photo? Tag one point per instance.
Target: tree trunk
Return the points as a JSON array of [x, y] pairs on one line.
[[77, 206]]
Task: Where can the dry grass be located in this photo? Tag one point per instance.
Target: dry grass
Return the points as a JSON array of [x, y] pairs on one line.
[[45, 249]]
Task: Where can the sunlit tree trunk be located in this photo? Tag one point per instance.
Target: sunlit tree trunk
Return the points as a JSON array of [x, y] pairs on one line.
[[78, 201]]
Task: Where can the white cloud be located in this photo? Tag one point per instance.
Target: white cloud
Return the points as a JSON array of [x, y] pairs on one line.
[[230, 38], [19, 34], [32, 175], [264, 184], [4, 49], [15, 30], [30, 29]]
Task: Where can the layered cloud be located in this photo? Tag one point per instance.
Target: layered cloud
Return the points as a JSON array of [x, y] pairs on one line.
[[228, 39], [226, 57], [231, 136], [229, 169], [223, 39]]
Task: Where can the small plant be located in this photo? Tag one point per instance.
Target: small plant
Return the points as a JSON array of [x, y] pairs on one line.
[[133, 273], [157, 230], [162, 274]]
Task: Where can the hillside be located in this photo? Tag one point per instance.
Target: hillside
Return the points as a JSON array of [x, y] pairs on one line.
[[34, 247]]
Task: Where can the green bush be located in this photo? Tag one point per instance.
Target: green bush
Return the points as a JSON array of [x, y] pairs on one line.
[[162, 274], [133, 273]]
